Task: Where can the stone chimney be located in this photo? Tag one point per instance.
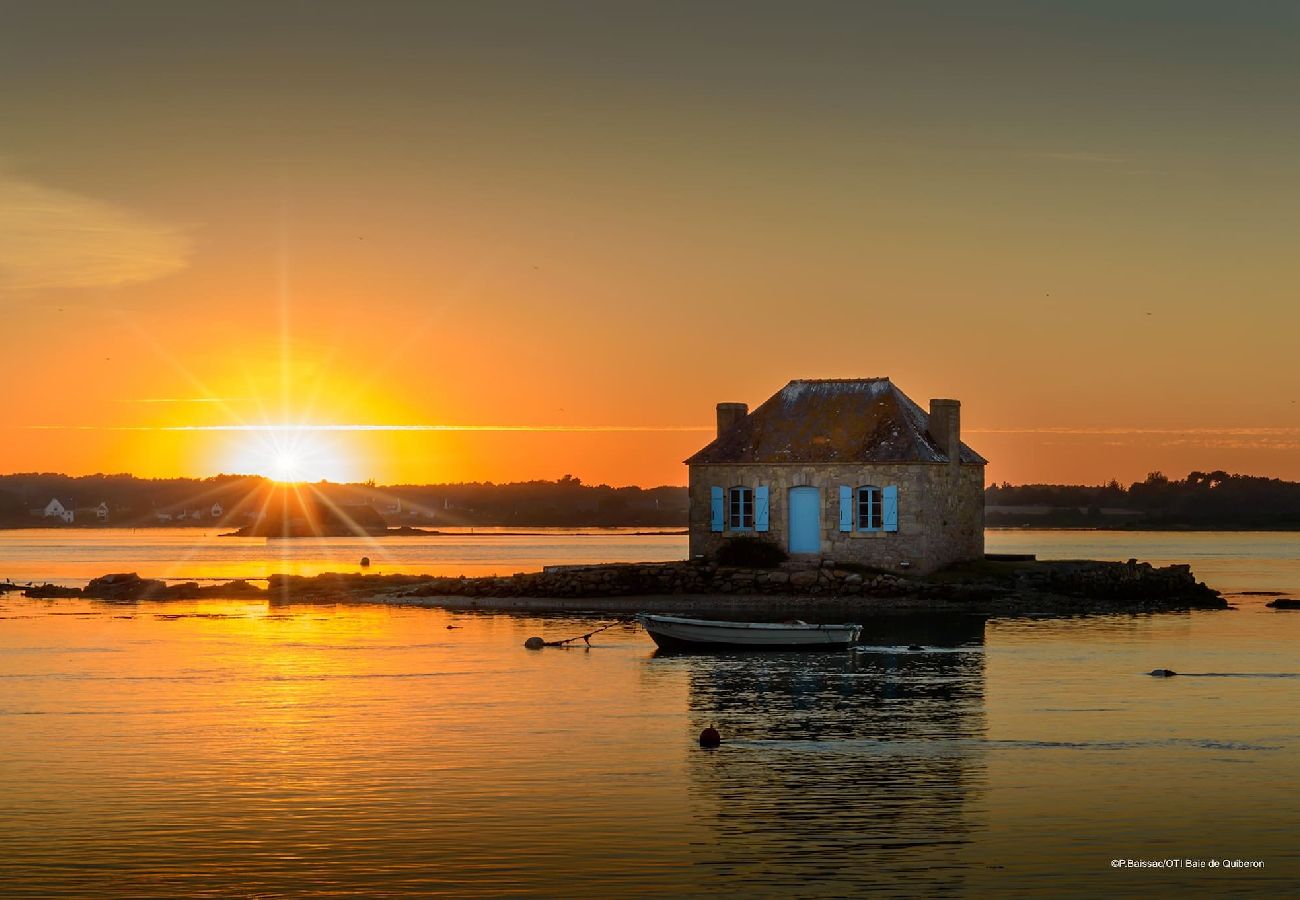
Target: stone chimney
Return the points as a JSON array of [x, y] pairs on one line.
[[945, 428], [729, 414]]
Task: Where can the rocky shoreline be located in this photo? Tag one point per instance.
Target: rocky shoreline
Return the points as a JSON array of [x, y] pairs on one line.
[[990, 587]]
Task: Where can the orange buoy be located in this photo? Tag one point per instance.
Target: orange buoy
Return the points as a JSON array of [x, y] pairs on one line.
[[710, 738]]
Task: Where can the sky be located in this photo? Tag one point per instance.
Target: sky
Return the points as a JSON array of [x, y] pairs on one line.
[[436, 241]]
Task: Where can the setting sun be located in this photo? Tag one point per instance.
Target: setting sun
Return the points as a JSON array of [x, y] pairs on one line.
[[287, 466], [289, 455]]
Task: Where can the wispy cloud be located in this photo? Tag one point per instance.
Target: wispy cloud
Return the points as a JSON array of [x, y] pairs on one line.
[[180, 399], [1220, 430], [52, 238], [1083, 157], [1216, 437], [284, 428]]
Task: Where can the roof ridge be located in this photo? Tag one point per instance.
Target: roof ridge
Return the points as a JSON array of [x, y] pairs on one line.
[[837, 380], [855, 420]]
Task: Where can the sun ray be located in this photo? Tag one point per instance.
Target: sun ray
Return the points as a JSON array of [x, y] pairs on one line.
[[178, 567], [349, 522], [180, 368]]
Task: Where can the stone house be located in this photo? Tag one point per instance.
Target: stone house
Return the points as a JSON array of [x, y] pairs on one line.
[[850, 470]]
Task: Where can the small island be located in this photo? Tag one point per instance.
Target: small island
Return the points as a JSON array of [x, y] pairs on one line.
[[291, 514], [996, 585]]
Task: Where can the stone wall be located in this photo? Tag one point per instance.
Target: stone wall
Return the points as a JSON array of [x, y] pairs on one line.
[[1061, 586], [940, 511], [1055, 587]]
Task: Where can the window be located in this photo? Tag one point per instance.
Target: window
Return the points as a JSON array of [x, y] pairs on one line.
[[870, 508], [740, 509]]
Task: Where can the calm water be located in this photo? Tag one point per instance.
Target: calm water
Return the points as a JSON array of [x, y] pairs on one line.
[[183, 554], [235, 749], [1229, 561]]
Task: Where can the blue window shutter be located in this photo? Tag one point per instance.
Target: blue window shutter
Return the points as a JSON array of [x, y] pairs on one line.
[[715, 509], [760, 508], [889, 508], [846, 508]]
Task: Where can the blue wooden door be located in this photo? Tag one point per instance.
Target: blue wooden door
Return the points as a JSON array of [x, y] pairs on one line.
[[805, 520]]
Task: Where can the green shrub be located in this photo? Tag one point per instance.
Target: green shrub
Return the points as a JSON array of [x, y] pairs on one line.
[[751, 553]]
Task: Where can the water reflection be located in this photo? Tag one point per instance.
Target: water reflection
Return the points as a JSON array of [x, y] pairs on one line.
[[842, 771], [231, 750], [73, 556]]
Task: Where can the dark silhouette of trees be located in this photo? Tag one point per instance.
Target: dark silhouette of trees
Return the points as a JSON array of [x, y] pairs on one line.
[[1201, 500], [139, 502], [1214, 499]]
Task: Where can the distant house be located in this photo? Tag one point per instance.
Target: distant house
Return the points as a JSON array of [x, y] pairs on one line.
[[849, 470], [217, 511], [93, 513], [60, 509]]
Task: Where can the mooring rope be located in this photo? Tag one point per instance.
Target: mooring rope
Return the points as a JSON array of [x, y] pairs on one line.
[[582, 637]]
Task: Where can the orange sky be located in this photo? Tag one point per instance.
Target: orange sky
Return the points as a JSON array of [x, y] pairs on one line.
[[573, 217]]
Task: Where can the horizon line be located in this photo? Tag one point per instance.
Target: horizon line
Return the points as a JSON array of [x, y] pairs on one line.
[[508, 427], [362, 426]]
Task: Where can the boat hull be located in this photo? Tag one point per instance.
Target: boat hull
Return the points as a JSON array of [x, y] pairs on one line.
[[685, 635]]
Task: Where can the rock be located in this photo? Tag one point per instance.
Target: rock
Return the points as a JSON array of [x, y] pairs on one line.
[[51, 592], [534, 643], [124, 586], [1162, 673], [1061, 587], [1283, 603]]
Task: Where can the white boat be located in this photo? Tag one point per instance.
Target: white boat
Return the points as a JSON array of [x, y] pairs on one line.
[[673, 633]]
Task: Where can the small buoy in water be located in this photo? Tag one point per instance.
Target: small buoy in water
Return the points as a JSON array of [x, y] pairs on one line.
[[915, 647], [709, 737], [534, 643], [1162, 673], [365, 561]]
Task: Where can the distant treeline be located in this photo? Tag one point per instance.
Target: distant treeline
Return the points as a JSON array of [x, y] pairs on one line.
[[1202, 500], [236, 500], [1206, 500]]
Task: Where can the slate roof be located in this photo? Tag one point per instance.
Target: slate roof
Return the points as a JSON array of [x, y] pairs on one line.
[[858, 420]]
